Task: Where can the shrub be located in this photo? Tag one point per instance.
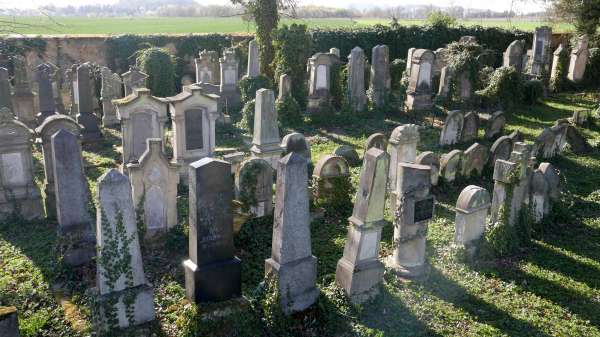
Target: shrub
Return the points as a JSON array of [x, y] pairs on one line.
[[592, 71], [160, 67], [559, 81], [438, 18], [288, 112], [249, 86], [504, 88], [397, 68], [247, 122], [533, 91], [339, 83]]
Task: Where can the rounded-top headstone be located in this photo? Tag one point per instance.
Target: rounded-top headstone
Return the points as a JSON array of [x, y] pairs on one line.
[[331, 166], [349, 153], [376, 140], [407, 133], [296, 142], [473, 198], [501, 149]]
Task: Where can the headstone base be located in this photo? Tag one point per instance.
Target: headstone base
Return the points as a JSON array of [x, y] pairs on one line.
[[30, 208], [418, 102], [359, 281], [215, 282], [296, 283], [407, 272], [315, 104], [142, 307], [110, 121], [271, 153], [9, 325], [78, 245]]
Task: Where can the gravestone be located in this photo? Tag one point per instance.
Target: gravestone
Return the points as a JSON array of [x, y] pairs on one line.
[[450, 165], [23, 97], [194, 113], [254, 186], [331, 181], [505, 173], [357, 96], [540, 196], [494, 124], [542, 38], [142, 116], [453, 127], [516, 136], [334, 51], [235, 159], [474, 160], [582, 117], [47, 108], [253, 59], [545, 144], [18, 192], [578, 60], [359, 271], [378, 141], [86, 117], [559, 129], [445, 78], [5, 94], [285, 87], [441, 61], [500, 149], [465, 86], [513, 56], [229, 91], [411, 219], [349, 153], [419, 91], [111, 89], [577, 141], [71, 79], [133, 79], [52, 125], [556, 60], [124, 293], [213, 272], [207, 67], [292, 262], [553, 178], [381, 82], [470, 130], [409, 58], [154, 188], [9, 320], [319, 96], [430, 159], [56, 77], [403, 149], [472, 209], [296, 142], [72, 198], [265, 139]]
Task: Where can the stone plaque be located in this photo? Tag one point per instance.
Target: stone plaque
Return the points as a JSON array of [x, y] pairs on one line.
[[368, 250], [12, 169], [194, 137], [155, 208], [321, 77], [142, 130], [230, 77], [423, 209], [424, 75]]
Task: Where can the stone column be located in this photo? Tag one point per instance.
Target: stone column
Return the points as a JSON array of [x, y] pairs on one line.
[[357, 96], [253, 60], [403, 149], [212, 273], [91, 132], [472, 209], [45, 94], [359, 271], [266, 140], [5, 95], [292, 262], [411, 219], [380, 74]]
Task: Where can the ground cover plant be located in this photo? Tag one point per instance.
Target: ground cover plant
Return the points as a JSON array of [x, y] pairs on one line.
[[547, 288]]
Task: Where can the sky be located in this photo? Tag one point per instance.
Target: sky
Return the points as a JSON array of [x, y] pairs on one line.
[[495, 5]]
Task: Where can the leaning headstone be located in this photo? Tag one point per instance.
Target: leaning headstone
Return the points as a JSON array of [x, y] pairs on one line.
[[380, 74], [86, 117], [450, 165], [411, 219], [133, 79], [471, 216], [376, 140], [296, 142], [349, 153], [418, 93], [253, 60], [513, 56], [578, 60], [357, 96], [125, 298], [430, 159], [229, 65], [403, 149], [23, 97], [494, 124], [319, 87], [45, 94], [292, 262], [470, 130], [359, 271], [501, 149], [111, 89], [542, 39], [75, 223], [213, 272], [265, 139], [18, 192], [331, 182], [194, 113], [5, 95], [474, 160], [9, 321], [254, 187], [52, 125], [453, 127], [142, 116], [207, 67], [154, 188]]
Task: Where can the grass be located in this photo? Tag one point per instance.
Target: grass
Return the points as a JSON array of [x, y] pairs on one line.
[[177, 25], [549, 288]]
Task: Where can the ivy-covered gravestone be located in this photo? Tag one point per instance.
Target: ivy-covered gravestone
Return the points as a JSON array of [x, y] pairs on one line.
[[254, 186]]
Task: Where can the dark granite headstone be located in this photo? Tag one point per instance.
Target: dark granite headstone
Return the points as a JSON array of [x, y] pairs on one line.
[[43, 74], [5, 97], [91, 132], [194, 137]]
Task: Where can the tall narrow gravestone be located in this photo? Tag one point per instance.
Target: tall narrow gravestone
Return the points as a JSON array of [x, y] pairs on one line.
[[265, 140], [5, 95], [253, 60], [380, 74], [86, 118], [23, 97], [47, 108], [578, 60], [542, 39], [292, 262], [359, 271], [112, 88], [403, 149], [320, 66], [419, 91], [411, 219], [212, 273], [229, 90], [513, 56], [72, 198], [357, 96], [125, 298]]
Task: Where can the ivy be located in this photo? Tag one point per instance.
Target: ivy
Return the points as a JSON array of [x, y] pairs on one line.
[[247, 121], [288, 112], [333, 194], [248, 181], [533, 91], [249, 86], [559, 81], [160, 67], [505, 88]]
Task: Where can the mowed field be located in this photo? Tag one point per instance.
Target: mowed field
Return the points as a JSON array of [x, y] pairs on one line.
[[169, 25]]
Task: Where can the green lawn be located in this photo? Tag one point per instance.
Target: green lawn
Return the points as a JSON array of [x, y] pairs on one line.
[[549, 288], [163, 25]]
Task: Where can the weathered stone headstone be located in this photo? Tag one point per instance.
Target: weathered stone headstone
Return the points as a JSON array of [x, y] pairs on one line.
[[349, 153], [253, 59], [45, 94], [465, 87], [235, 159], [154, 188], [230, 65], [292, 262], [194, 113], [577, 141], [23, 97], [450, 165], [500, 149], [124, 293], [494, 124], [441, 61], [331, 174], [474, 160], [357, 96], [409, 58], [505, 179], [51, 126], [254, 186], [542, 39], [559, 129], [540, 196], [296, 142], [285, 87], [5, 95], [9, 321], [71, 79], [207, 67], [578, 60], [411, 218], [18, 192], [212, 273], [381, 82], [359, 270], [56, 77], [133, 79], [445, 77], [142, 116], [553, 179], [418, 93], [403, 149], [513, 56], [545, 144], [470, 130], [376, 140], [72, 198], [453, 127], [471, 215], [556, 60], [320, 66], [111, 89], [582, 117], [265, 140], [430, 159], [86, 117]]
